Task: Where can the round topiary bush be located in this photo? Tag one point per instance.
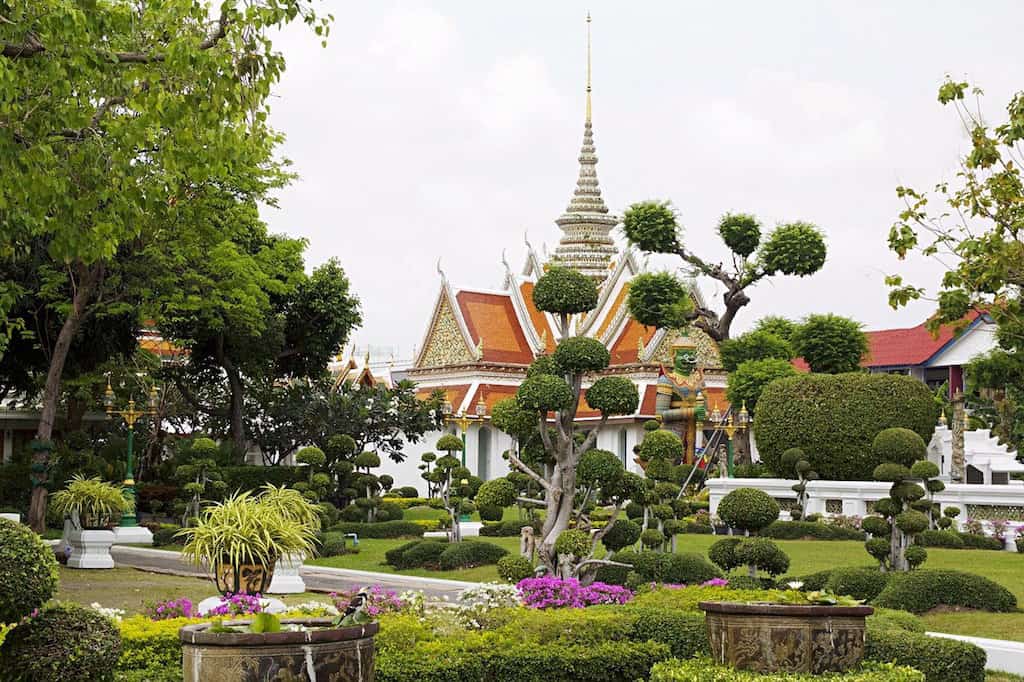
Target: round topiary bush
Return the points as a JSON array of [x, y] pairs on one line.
[[578, 354], [762, 554], [899, 445], [544, 393], [687, 568], [369, 460], [313, 456], [661, 444], [566, 291], [63, 642], [613, 395], [923, 590], [514, 568], [789, 460], [748, 509], [915, 556], [28, 571], [598, 467], [723, 553], [470, 553], [876, 526], [575, 542], [652, 537], [835, 419], [623, 533], [498, 492], [859, 583]]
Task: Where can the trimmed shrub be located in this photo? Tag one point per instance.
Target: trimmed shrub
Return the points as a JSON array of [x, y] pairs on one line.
[[513, 568], [684, 633], [920, 591], [652, 537], [623, 533], [420, 554], [859, 583], [64, 642], [941, 660], [389, 511], [470, 553], [745, 582], [254, 477], [890, 619], [835, 418], [28, 571], [151, 644], [763, 554], [975, 541], [705, 670], [408, 492], [800, 530], [574, 542], [723, 553], [748, 509], [687, 568], [166, 534], [899, 445], [501, 529], [381, 530]]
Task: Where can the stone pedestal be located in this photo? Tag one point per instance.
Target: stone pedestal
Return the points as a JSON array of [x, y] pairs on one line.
[[132, 535], [90, 549], [287, 579]]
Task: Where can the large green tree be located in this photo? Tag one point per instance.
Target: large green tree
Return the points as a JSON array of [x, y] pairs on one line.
[[796, 248], [830, 344], [113, 114], [974, 226]]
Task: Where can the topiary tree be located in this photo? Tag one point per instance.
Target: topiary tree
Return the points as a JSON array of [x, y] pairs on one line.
[[830, 344], [200, 477], [554, 384], [661, 444], [428, 458], [835, 419], [750, 510], [791, 249], [896, 516], [754, 345], [29, 575], [795, 463], [63, 641], [493, 497]]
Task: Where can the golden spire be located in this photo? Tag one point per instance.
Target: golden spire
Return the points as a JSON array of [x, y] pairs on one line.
[[588, 67]]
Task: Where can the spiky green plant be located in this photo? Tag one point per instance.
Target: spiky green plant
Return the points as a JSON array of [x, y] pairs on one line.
[[291, 504], [245, 529], [95, 503]]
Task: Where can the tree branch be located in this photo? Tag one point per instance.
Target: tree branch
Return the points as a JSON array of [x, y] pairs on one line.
[[592, 436], [518, 463]]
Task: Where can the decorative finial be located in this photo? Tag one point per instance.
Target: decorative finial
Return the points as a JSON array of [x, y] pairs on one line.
[[441, 272], [588, 67], [504, 260]]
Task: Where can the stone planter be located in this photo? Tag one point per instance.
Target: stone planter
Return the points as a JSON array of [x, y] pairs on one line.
[[335, 654], [287, 579], [786, 638], [90, 548]]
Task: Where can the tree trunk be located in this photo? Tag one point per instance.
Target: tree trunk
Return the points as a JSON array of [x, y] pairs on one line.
[[237, 425], [51, 395]]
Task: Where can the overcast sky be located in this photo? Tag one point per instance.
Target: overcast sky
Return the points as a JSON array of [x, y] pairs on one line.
[[447, 130]]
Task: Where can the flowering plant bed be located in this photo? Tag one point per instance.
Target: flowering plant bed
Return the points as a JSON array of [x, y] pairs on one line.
[[547, 592]]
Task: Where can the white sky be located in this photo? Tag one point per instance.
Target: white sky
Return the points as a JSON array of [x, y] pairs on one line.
[[446, 130]]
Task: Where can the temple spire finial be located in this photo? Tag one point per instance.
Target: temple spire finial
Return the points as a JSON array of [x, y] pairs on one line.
[[588, 67]]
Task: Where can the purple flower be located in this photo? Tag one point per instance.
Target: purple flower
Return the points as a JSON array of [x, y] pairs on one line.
[[548, 592], [172, 608], [715, 582]]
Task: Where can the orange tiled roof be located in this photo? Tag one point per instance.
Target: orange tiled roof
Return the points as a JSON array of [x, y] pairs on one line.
[[453, 394], [537, 318], [648, 401], [613, 310], [493, 318], [715, 396], [492, 393], [623, 351]]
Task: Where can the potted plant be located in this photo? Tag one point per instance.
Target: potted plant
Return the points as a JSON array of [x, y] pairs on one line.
[[290, 504], [240, 539], [812, 632], [94, 507]]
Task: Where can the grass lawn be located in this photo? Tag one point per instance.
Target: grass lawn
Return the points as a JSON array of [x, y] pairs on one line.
[[131, 589]]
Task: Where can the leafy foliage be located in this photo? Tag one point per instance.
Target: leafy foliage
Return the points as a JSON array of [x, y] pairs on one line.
[[613, 396], [64, 641], [658, 299], [544, 393], [830, 344], [754, 345], [748, 381], [835, 419], [741, 232], [652, 226], [29, 576], [748, 509], [562, 290], [898, 445]]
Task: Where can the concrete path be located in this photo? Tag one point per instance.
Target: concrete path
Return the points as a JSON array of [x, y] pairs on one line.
[[317, 578], [1003, 655]]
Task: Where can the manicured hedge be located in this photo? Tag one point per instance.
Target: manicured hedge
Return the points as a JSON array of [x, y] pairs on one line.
[[941, 660], [705, 670], [499, 529], [151, 644], [939, 538], [685, 634], [254, 477], [922, 590], [975, 541], [469, 553], [798, 530], [416, 554], [859, 583], [834, 419], [383, 529]]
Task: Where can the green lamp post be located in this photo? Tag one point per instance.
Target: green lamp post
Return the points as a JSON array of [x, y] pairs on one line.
[[730, 426], [130, 416]]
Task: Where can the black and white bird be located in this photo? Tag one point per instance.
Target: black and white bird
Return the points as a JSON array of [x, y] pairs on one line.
[[355, 612]]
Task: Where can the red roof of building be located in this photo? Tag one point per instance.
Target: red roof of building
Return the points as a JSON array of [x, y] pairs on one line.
[[907, 347], [493, 318]]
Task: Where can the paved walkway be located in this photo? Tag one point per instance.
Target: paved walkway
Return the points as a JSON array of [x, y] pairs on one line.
[[317, 578], [1003, 655]]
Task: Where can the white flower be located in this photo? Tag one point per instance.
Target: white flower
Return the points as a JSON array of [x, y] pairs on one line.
[[111, 613], [795, 585]]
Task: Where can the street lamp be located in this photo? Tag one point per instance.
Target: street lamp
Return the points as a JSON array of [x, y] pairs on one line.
[[729, 425], [463, 420], [130, 416]]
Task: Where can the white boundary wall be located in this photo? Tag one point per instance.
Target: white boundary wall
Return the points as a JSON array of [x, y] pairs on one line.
[[826, 497]]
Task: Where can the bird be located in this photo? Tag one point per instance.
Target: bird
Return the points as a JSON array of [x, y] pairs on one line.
[[355, 613]]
